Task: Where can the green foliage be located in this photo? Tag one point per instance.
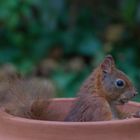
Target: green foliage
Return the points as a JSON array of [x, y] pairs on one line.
[[129, 10], [29, 29]]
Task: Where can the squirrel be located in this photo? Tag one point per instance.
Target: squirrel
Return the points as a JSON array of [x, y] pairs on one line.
[[100, 94], [97, 99]]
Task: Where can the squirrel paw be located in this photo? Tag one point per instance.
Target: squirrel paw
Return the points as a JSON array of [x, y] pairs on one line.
[[136, 115]]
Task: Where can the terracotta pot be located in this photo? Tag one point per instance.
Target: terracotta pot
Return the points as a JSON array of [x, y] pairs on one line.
[[15, 128]]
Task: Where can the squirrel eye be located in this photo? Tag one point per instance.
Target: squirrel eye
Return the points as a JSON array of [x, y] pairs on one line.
[[119, 83]]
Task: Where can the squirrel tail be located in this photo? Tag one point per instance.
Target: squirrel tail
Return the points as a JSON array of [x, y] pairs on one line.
[[29, 98]]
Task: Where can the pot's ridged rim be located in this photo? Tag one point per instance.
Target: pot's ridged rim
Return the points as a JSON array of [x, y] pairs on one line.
[[5, 116]]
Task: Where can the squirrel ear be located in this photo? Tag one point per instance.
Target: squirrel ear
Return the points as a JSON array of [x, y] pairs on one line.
[[107, 64]]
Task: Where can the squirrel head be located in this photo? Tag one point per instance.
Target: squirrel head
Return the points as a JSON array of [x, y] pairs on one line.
[[113, 83]]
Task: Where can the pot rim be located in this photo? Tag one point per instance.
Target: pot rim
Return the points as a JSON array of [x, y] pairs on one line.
[[7, 116]]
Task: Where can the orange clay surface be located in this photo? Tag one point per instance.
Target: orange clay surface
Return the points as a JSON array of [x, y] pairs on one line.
[[15, 128]]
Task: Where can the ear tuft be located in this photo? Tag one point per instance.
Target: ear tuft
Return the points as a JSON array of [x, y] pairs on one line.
[[107, 64]]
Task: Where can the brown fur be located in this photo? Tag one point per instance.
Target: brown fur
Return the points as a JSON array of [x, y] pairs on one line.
[[29, 98], [94, 101], [97, 99]]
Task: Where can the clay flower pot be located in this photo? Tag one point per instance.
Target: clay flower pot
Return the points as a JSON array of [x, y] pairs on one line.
[[15, 128]]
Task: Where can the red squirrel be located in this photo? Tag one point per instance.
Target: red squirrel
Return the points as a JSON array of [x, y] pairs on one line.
[[97, 99], [100, 94]]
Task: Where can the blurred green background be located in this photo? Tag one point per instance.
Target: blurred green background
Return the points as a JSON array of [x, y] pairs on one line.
[[63, 40]]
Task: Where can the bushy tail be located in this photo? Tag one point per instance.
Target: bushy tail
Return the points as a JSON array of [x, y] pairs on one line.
[[28, 98]]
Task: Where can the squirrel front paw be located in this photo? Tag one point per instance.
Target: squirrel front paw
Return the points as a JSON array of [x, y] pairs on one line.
[[136, 115]]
